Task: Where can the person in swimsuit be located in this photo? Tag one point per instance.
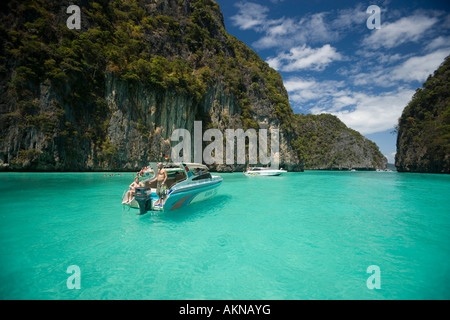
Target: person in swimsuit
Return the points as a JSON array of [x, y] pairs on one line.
[[161, 178], [131, 192]]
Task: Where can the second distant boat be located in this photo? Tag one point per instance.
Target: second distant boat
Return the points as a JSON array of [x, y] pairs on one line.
[[261, 171]]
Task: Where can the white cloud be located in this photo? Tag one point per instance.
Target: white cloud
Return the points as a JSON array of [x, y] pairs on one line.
[[377, 57], [364, 112], [290, 32], [419, 68], [347, 18], [390, 157], [381, 77], [411, 69], [250, 16], [281, 27], [406, 29], [446, 23], [375, 113], [275, 30], [304, 57], [302, 91], [319, 27], [438, 43]]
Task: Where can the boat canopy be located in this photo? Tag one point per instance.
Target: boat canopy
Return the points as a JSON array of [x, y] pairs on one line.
[[197, 167], [178, 166]]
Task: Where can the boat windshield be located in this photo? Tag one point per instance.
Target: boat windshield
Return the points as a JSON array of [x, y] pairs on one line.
[[175, 174], [199, 171]]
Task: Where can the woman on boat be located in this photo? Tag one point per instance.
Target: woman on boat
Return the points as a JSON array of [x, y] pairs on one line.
[[130, 194]]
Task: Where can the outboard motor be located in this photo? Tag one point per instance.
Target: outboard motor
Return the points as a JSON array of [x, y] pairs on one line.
[[143, 199]]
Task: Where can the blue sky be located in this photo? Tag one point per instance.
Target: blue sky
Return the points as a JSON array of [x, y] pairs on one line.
[[331, 62]]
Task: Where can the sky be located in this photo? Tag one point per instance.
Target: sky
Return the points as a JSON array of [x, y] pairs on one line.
[[338, 57]]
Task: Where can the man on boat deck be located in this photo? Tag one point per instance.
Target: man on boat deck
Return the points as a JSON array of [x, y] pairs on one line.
[[161, 178]]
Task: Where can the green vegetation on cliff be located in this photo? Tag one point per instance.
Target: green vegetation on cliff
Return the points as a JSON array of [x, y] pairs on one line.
[[423, 142], [168, 45], [325, 142], [107, 96]]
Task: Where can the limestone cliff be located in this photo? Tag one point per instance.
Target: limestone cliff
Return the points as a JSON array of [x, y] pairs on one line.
[[108, 96], [423, 141], [324, 142]]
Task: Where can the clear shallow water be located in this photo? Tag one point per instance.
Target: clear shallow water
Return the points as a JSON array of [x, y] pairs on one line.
[[308, 235]]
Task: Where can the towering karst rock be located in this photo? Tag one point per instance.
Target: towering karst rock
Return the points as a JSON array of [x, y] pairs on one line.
[[423, 141], [109, 96]]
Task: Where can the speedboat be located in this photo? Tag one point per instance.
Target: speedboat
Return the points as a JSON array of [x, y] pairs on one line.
[[186, 183], [261, 171]]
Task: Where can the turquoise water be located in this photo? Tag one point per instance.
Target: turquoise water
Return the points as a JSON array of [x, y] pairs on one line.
[[308, 235]]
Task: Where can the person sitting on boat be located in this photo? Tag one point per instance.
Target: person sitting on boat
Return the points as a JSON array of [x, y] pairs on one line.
[[198, 171], [161, 178], [130, 194]]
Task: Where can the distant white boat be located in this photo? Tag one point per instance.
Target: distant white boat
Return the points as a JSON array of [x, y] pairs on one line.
[[261, 171]]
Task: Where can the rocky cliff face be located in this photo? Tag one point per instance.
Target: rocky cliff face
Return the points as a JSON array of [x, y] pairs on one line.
[[108, 96], [325, 143], [423, 141]]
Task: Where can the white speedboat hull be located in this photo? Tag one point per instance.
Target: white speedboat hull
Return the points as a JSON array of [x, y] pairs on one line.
[[265, 172]]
